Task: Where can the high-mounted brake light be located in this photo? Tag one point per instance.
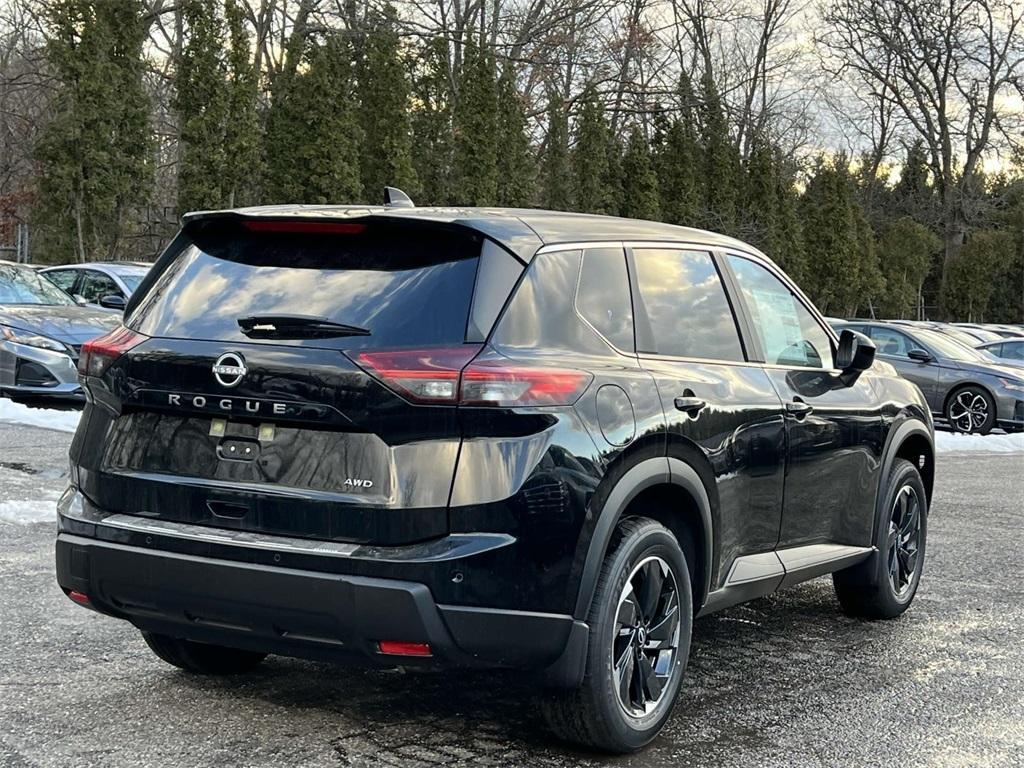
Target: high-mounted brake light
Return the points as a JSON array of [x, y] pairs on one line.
[[99, 354], [446, 375], [306, 227]]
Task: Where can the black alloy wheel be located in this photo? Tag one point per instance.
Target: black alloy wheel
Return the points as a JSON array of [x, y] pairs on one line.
[[904, 540], [646, 636]]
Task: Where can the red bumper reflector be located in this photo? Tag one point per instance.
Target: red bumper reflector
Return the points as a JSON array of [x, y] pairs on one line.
[[396, 648], [80, 598]]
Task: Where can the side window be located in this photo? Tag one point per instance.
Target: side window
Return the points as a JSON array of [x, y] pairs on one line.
[[541, 315], [789, 333], [892, 343], [95, 285], [686, 304], [1013, 350], [603, 295], [64, 278]]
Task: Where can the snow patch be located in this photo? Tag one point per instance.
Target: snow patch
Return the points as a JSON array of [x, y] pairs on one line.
[[29, 511], [953, 442], [47, 418]]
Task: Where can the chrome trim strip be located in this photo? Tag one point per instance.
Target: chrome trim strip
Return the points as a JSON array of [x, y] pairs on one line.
[[227, 537]]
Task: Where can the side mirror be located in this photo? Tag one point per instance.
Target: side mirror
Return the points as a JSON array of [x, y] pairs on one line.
[[113, 301], [79, 300], [919, 355], [856, 352]]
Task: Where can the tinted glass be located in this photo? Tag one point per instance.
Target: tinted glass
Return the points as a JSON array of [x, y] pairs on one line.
[[96, 285], [65, 278], [131, 276], [21, 285], [407, 290], [951, 348], [788, 332], [541, 317], [1012, 350], [892, 343], [686, 305], [603, 295]]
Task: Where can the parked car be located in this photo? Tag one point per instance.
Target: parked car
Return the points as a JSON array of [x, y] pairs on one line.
[[107, 285], [1005, 331], [1009, 351], [969, 388], [482, 438], [970, 337], [41, 332]]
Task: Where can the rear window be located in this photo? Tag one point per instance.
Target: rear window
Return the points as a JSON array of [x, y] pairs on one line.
[[406, 286]]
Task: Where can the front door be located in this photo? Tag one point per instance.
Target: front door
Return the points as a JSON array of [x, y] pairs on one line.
[[723, 417], [833, 424], [895, 348]]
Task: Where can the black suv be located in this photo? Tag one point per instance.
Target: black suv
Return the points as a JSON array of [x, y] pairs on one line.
[[482, 438]]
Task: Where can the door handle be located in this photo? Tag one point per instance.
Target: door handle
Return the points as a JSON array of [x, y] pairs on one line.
[[689, 405], [798, 409]]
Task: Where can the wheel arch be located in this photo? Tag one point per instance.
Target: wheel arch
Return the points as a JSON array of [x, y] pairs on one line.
[[671, 492], [914, 441]]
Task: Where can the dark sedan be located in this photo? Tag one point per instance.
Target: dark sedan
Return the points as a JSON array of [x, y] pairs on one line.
[[970, 389], [41, 332]]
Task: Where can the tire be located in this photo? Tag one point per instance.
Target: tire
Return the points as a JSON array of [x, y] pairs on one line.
[[594, 715], [971, 409], [870, 589], [200, 658]]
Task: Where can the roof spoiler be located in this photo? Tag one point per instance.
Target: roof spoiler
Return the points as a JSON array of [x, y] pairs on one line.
[[396, 198]]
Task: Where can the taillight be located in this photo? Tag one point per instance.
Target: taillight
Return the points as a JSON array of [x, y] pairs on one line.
[[497, 382], [447, 376], [99, 354], [421, 375]]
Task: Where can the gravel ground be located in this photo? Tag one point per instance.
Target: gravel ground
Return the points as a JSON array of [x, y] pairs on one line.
[[783, 681]]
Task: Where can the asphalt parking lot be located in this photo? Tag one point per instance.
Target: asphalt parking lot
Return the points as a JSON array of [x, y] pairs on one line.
[[783, 681]]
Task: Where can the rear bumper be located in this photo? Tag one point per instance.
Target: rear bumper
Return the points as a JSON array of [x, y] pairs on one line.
[[310, 614]]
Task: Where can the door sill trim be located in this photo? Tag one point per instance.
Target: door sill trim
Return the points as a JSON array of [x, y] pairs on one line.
[[757, 575]]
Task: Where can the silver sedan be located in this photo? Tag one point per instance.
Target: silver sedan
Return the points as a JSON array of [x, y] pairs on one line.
[[41, 332]]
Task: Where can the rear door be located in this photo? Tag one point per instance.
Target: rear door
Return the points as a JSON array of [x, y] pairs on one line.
[[293, 378], [723, 416]]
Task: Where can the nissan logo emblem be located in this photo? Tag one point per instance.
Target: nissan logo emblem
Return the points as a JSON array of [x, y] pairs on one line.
[[229, 369]]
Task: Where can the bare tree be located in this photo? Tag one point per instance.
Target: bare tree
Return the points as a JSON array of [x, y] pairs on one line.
[[945, 66]]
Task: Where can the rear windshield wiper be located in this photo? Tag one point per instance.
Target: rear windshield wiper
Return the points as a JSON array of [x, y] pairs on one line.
[[296, 327]]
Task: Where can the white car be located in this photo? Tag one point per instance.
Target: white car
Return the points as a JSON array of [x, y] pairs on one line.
[[107, 285]]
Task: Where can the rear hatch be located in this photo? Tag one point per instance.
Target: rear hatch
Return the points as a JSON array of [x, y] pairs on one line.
[[242, 397]]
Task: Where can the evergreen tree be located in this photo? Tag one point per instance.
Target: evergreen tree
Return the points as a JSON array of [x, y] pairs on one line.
[[284, 124], [909, 249], [556, 189], [313, 135], [95, 152], [721, 166], [242, 132], [789, 254], [830, 238], [384, 96], [516, 172], [202, 105], [761, 199], [639, 183], [676, 164], [613, 177], [970, 282], [475, 123], [431, 123], [869, 290], [591, 191]]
